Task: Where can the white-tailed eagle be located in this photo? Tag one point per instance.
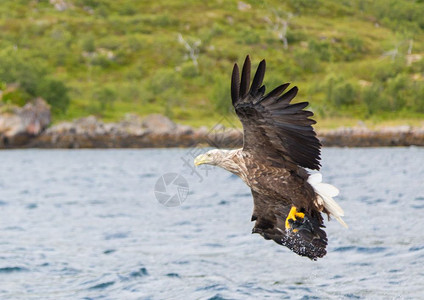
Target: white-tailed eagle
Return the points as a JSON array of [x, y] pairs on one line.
[[279, 143]]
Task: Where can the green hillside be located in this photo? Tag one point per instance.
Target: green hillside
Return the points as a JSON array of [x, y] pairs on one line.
[[352, 59]]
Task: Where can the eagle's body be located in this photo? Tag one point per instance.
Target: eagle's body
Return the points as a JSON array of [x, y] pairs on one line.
[[279, 143], [270, 179]]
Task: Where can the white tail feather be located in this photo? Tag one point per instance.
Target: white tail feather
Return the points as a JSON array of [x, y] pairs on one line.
[[326, 192]]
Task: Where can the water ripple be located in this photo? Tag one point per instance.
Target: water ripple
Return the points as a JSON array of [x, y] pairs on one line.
[[13, 269], [85, 224]]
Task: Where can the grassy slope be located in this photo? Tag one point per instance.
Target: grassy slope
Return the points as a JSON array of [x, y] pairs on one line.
[[148, 70]]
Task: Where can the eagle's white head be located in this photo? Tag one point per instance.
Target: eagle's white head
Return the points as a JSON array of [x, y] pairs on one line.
[[215, 157], [230, 160]]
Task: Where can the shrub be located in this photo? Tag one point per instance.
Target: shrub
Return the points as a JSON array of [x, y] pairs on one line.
[[344, 94], [102, 61], [248, 37], [189, 70], [397, 91], [397, 94], [165, 88], [220, 95], [88, 44], [105, 97], [339, 92], [127, 9], [388, 69], [321, 49], [109, 42], [16, 97], [163, 80], [131, 91], [371, 98], [90, 3], [398, 15], [136, 43], [301, 6], [55, 93], [418, 99], [294, 36], [30, 76], [356, 44], [308, 61]]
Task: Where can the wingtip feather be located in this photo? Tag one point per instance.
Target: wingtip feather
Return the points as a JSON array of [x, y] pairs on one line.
[[245, 77], [258, 78], [235, 84]]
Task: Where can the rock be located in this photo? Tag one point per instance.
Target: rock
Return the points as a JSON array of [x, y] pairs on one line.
[[24, 127], [159, 131], [60, 5], [183, 130], [412, 58], [243, 6], [133, 125], [19, 124], [159, 124], [364, 83], [363, 137]]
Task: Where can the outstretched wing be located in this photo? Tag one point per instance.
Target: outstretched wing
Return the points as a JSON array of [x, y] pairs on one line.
[[272, 126], [270, 215]]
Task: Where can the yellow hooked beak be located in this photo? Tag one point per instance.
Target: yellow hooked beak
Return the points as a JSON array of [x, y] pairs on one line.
[[202, 159]]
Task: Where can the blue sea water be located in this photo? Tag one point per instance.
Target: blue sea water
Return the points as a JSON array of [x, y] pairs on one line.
[[87, 224]]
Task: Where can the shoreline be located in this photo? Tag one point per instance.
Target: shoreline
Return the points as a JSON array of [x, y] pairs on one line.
[[158, 131]]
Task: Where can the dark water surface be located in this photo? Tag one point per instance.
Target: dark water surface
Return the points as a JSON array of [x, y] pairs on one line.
[[85, 224]]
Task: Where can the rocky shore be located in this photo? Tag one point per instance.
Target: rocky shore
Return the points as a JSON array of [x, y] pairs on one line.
[[27, 127]]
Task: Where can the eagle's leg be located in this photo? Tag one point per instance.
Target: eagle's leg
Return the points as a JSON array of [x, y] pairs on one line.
[[292, 216]]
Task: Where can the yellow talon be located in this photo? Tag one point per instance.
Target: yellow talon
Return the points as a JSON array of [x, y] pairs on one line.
[[292, 216]]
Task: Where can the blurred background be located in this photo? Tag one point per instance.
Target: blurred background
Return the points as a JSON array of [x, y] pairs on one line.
[[88, 224], [353, 60]]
